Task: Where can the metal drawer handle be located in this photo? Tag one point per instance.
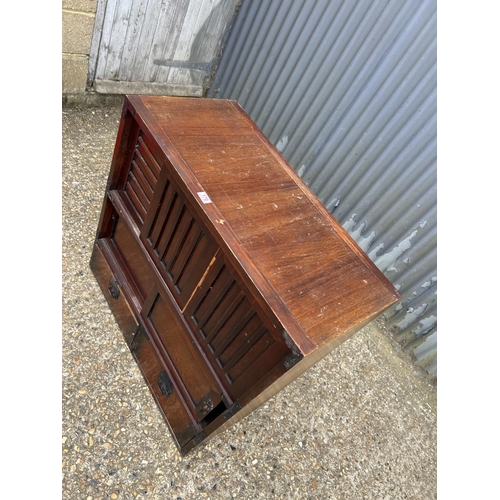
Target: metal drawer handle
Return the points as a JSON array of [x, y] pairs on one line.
[[114, 291], [164, 384]]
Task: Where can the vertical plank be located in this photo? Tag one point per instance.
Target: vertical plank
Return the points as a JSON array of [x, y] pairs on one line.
[[153, 30], [137, 23], [117, 38], [96, 38], [195, 16], [182, 7], [107, 27]]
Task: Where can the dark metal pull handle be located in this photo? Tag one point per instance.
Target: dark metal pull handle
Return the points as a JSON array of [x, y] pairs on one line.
[[164, 384], [114, 291]]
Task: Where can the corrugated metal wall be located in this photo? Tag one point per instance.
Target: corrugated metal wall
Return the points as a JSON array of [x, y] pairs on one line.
[[347, 92]]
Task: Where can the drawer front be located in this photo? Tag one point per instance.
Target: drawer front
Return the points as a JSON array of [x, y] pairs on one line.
[[112, 291], [180, 422], [131, 254], [186, 366]]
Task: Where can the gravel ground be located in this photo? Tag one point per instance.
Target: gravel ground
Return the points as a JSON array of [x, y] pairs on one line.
[[361, 424]]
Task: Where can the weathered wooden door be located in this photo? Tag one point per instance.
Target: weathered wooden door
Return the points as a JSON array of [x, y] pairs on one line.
[[167, 47]]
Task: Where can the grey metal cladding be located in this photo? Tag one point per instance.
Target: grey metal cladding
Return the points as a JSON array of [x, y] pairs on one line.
[[347, 92]]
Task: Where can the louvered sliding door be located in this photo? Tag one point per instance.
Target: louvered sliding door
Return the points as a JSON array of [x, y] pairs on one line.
[[178, 244], [139, 183], [160, 223], [235, 335]]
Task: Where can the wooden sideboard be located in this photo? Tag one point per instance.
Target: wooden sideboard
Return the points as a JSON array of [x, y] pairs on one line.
[[226, 275]]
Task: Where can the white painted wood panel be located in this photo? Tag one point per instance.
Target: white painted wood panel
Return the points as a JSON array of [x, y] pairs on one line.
[[157, 46]]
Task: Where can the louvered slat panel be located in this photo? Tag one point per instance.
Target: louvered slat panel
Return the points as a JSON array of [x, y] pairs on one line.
[[232, 328], [144, 175], [169, 227], [209, 304], [229, 327], [161, 215], [142, 178], [242, 343], [250, 359], [178, 243], [131, 190], [178, 237], [188, 274], [190, 241], [149, 158], [232, 300], [136, 183]]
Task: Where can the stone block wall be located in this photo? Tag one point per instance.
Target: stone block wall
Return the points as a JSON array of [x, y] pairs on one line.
[[77, 27]]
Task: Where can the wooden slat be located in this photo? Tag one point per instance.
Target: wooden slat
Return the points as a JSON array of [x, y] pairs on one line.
[[136, 23], [267, 360], [231, 301], [211, 301], [195, 267], [191, 239], [109, 20], [137, 171], [232, 327], [147, 173], [169, 226], [177, 240], [117, 40], [262, 345], [242, 344], [148, 157], [162, 214], [131, 192]]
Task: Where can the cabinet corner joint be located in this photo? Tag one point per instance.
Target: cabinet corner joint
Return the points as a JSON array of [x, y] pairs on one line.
[[295, 354]]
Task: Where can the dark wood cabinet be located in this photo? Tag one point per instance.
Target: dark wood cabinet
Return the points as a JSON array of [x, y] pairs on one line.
[[226, 275]]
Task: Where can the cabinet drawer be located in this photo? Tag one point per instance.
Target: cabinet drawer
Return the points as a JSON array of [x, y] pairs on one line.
[[112, 290], [181, 424], [134, 260], [186, 366]]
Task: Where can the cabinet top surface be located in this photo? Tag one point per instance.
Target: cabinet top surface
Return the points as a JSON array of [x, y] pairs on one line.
[[320, 274]]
